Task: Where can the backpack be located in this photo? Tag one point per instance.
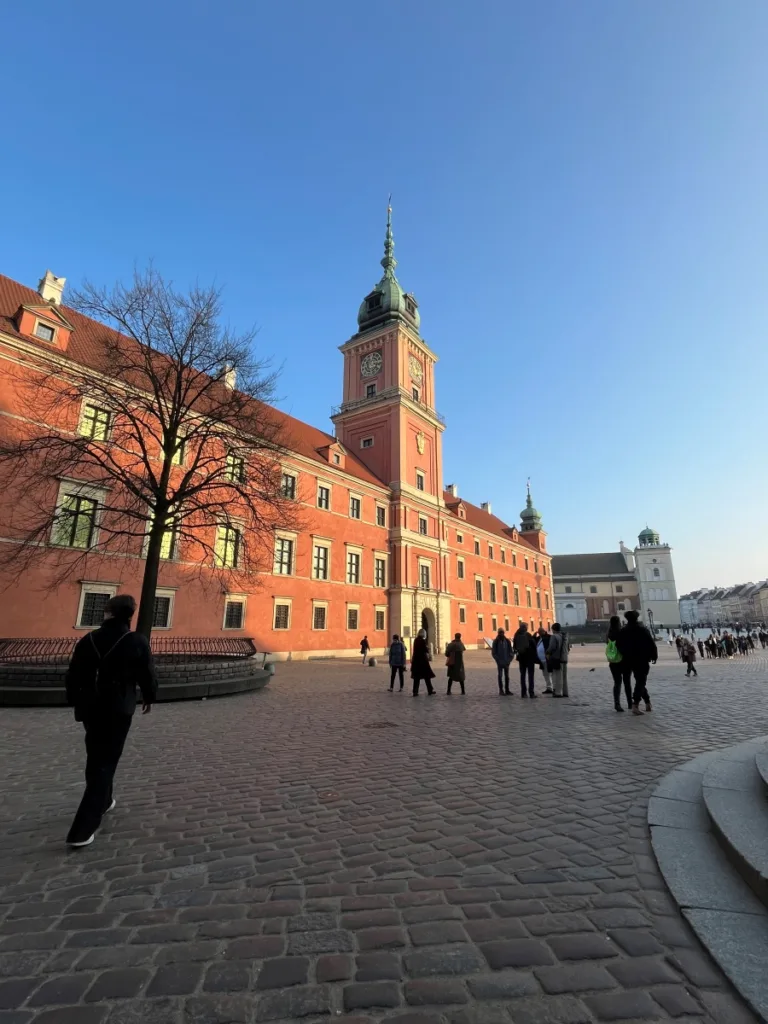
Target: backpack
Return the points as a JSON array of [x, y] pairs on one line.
[[523, 643], [612, 652]]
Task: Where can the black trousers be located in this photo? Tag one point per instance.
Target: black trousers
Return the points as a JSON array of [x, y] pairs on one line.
[[451, 682], [505, 670], [691, 667], [396, 669], [621, 675], [530, 668], [417, 680], [105, 737], [640, 673]]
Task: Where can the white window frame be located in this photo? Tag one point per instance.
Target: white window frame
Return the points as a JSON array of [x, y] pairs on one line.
[[381, 508], [92, 588], [490, 553], [428, 564], [421, 480], [494, 623], [480, 622], [462, 615], [380, 609], [218, 564], [324, 606], [166, 592], [281, 601], [318, 542], [529, 598], [459, 537], [328, 487], [179, 457], [234, 598], [93, 404], [78, 488], [285, 535], [293, 475], [476, 545], [504, 592], [425, 531], [234, 460], [479, 579], [366, 442], [381, 556], [368, 392], [353, 549], [351, 608], [358, 498], [493, 592], [39, 322], [461, 570]]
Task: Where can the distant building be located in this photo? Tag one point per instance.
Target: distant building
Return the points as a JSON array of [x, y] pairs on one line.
[[590, 588], [740, 605]]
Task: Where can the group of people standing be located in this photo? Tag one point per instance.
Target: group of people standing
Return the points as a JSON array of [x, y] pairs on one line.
[[630, 651], [724, 645]]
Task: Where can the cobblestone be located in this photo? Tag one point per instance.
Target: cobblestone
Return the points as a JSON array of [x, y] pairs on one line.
[[382, 875]]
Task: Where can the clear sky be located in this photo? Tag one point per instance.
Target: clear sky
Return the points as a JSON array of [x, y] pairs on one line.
[[580, 206]]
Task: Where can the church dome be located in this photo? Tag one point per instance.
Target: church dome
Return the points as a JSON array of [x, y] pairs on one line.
[[530, 518], [387, 301], [648, 536]]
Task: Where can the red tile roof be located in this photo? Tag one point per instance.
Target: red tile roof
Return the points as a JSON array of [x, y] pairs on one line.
[[86, 348], [483, 520]]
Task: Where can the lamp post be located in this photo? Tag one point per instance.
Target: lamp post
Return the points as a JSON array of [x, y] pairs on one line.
[[650, 622]]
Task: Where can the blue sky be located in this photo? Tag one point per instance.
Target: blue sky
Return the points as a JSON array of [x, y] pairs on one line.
[[579, 206]]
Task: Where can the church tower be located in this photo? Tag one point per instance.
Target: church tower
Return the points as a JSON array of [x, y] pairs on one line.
[[656, 580], [388, 419]]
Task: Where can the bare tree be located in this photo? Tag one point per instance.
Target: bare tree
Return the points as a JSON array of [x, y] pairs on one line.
[[166, 431]]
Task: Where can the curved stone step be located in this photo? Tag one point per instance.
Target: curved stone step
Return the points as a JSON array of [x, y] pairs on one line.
[[727, 916], [737, 805], [761, 760]]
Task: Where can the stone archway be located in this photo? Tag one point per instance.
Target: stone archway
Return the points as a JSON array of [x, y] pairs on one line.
[[430, 626]]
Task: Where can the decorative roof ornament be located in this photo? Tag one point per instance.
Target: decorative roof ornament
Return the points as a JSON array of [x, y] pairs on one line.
[[530, 518], [388, 301]]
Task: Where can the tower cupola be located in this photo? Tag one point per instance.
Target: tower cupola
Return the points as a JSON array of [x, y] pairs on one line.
[[388, 301]]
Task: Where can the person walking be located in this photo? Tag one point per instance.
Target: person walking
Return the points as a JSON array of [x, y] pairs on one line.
[[542, 642], [454, 660], [397, 660], [364, 648], [619, 671], [420, 666], [525, 649], [638, 649], [689, 657], [107, 665], [557, 655], [700, 645], [501, 649]]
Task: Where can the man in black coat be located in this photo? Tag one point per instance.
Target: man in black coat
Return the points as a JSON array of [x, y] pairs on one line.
[[525, 649], [638, 649], [106, 667]]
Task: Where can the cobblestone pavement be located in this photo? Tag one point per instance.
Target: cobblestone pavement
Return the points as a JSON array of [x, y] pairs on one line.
[[325, 847]]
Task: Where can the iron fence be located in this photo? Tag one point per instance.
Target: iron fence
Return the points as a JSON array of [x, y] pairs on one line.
[[58, 650]]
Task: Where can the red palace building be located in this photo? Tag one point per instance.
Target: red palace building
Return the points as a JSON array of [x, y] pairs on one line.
[[387, 547]]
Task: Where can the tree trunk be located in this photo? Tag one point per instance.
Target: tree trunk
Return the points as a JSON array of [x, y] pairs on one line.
[[149, 582]]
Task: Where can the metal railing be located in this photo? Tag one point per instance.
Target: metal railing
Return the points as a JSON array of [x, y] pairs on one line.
[[58, 650]]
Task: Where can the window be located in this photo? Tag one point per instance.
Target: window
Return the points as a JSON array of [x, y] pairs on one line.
[[526, 563], [380, 572], [161, 614], [353, 567], [44, 332], [535, 566], [381, 515], [354, 508], [235, 470], [93, 604], [480, 623], [410, 305], [336, 459], [170, 542], [75, 524], [514, 559], [94, 422], [422, 526], [568, 590], [282, 615], [546, 601], [503, 555], [370, 390], [494, 623], [506, 624], [283, 556], [493, 593], [234, 613], [460, 568], [538, 599], [504, 593], [619, 588], [415, 394], [593, 590], [288, 485], [490, 551], [424, 576], [319, 617], [477, 547], [179, 452], [419, 481], [459, 537], [373, 302], [227, 549], [528, 598], [656, 574], [544, 568], [323, 497], [352, 618], [320, 562], [367, 442], [478, 590], [380, 622], [517, 595], [462, 613]]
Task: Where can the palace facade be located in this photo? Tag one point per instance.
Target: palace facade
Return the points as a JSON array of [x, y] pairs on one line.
[[387, 547]]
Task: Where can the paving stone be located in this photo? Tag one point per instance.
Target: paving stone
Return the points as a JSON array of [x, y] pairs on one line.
[[370, 995], [408, 1018], [642, 971], [697, 967], [516, 953], [635, 941], [504, 985], [676, 1000], [370, 919], [175, 980], [618, 918], [584, 978], [217, 1009], [435, 933], [556, 924], [551, 1010], [452, 961], [377, 967], [440, 912], [287, 970], [381, 938], [622, 1006], [320, 942], [228, 976], [123, 983], [508, 928], [334, 968], [13, 993], [435, 992], [61, 991], [71, 1015], [586, 946]]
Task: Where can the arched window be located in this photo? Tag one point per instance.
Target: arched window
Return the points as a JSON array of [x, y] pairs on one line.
[[665, 594], [656, 573]]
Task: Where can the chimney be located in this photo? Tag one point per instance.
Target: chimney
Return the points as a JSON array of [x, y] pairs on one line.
[[453, 490], [51, 287], [230, 376], [486, 507]]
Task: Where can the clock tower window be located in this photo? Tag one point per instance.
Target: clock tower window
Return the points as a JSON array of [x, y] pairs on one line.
[[420, 481], [415, 394], [370, 390]]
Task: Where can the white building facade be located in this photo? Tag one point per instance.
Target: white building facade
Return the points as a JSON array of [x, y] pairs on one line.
[[656, 579]]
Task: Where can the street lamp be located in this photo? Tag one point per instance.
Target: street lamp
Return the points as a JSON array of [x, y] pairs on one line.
[[650, 622]]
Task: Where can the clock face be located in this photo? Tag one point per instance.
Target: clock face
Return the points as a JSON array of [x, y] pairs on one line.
[[417, 373], [370, 365]]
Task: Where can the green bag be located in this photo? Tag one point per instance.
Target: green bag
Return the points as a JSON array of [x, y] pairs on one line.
[[612, 652]]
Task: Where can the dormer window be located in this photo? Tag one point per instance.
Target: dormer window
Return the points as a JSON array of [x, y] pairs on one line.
[[373, 302], [410, 306], [336, 458], [44, 331]]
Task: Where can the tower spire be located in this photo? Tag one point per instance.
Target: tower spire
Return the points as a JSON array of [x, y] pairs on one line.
[[389, 262]]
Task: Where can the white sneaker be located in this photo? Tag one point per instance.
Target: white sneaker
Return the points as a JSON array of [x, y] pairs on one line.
[[111, 806], [84, 842]]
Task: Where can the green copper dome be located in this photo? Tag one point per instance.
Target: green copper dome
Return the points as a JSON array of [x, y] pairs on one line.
[[530, 518], [388, 301], [648, 536]]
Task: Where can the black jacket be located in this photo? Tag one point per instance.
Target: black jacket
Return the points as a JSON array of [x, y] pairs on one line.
[[102, 678], [525, 647], [636, 645]]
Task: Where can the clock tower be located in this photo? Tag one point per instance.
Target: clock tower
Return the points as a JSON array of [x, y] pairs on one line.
[[388, 419]]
